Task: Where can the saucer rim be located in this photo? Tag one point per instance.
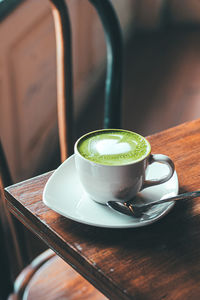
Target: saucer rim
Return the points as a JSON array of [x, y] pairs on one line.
[[143, 223]]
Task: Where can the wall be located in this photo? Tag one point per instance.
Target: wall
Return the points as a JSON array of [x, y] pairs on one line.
[[28, 121], [150, 14]]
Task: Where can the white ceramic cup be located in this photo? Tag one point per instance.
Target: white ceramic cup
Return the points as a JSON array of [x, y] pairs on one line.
[[105, 183]]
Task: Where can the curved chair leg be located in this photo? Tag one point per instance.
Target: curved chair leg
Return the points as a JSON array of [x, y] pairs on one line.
[[49, 277], [25, 276]]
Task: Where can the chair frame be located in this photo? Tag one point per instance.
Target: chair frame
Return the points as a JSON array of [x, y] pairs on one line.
[[112, 119]]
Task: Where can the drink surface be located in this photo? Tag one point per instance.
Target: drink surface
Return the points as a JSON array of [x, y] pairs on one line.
[[113, 147]]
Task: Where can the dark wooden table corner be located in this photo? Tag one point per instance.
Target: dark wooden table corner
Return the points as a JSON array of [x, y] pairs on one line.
[[159, 261]]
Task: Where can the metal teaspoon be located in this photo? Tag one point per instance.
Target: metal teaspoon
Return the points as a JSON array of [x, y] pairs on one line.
[[132, 209]]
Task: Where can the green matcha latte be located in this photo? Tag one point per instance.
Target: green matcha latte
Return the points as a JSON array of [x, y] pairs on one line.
[[113, 147]]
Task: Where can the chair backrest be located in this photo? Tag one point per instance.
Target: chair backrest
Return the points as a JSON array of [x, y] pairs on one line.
[[11, 231], [113, 87]]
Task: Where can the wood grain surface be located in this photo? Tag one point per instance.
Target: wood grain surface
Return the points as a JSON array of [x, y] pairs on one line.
[[160, 261]]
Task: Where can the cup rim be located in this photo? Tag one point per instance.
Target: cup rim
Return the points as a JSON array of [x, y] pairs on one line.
[[76, 151]]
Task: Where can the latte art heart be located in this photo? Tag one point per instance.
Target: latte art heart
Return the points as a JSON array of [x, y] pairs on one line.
[[111, 146]]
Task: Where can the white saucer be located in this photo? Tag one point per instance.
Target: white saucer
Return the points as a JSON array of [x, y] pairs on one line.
[[64, 194]]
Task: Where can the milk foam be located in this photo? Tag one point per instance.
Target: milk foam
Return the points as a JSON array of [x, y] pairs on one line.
[[113, 147]]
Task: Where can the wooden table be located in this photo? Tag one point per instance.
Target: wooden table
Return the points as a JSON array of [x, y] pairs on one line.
[[160, 261]]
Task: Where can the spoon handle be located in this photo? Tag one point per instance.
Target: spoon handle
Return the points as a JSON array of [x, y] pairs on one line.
[[185, 196]]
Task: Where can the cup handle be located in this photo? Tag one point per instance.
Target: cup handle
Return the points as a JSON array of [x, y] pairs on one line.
[[163, 159]]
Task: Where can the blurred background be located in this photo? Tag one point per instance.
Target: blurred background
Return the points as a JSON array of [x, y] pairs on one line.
[[161, 73]]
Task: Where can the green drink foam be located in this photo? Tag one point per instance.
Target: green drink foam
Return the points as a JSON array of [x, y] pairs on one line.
[[113, 147]]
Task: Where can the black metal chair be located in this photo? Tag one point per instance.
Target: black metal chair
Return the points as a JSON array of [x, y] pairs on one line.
[[48, 276]]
